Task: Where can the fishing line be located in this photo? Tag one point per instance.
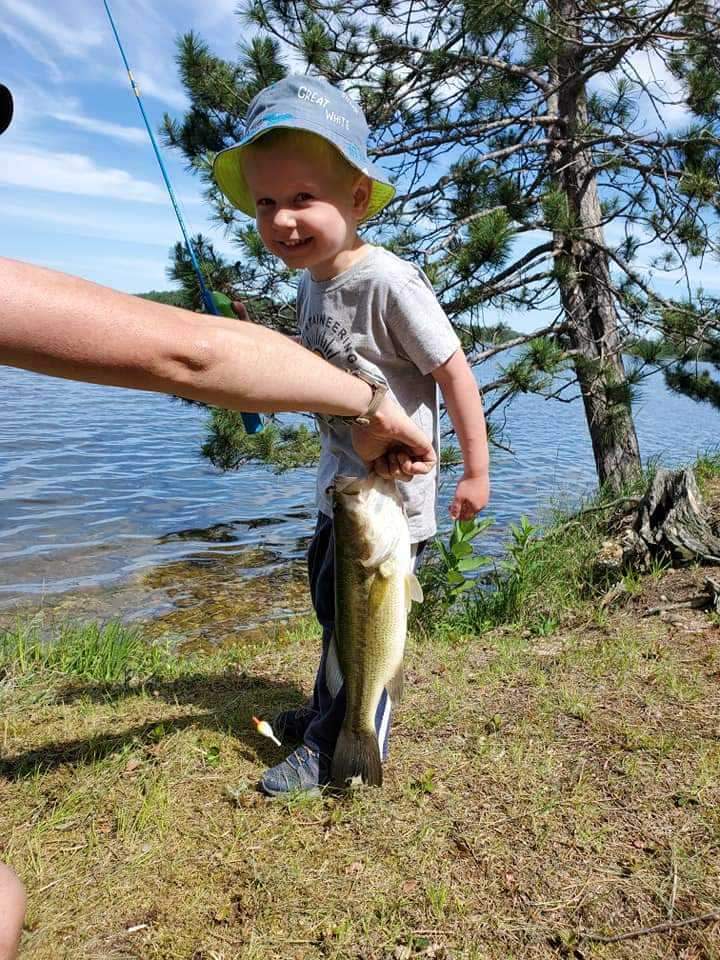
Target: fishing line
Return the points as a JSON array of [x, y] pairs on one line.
[[252, 421]]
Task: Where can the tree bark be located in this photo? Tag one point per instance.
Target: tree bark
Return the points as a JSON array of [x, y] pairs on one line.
[[672, 524], [673, 519], [584, 271]]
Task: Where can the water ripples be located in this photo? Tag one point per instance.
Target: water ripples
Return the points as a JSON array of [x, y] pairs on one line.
[[99, 487]]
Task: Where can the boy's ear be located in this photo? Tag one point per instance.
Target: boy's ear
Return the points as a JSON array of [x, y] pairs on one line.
[[362, 188]]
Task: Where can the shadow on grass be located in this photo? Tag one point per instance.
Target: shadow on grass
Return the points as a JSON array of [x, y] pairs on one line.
[[228, 702]]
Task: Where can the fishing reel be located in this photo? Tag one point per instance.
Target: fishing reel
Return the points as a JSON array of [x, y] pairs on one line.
[[6, 108]]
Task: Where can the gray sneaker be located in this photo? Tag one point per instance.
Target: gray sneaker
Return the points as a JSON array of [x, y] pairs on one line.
[[304, 771], [292, 724]]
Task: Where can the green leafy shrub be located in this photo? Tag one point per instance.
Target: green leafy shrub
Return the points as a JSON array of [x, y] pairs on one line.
[[446, 574]]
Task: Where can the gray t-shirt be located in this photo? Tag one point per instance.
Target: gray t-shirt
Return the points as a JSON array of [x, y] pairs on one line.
[[380, 315]]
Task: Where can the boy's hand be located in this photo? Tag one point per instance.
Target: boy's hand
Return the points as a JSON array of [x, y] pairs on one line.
[[240, 311], [392, 445], [471, 496]]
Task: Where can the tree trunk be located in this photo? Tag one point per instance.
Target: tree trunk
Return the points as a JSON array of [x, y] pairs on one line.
[[673, 519], [586, 296], [670, 523]]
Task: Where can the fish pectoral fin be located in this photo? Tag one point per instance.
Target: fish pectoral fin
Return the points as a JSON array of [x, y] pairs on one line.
[[414, 590], [383, 552], [386, 569]]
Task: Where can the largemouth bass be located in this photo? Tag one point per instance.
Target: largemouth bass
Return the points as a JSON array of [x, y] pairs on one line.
[[374, 588]]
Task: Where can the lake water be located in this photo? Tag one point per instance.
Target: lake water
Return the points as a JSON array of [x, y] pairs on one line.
[[108, 509]]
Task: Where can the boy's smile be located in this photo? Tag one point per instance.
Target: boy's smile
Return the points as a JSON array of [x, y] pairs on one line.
[[307, 207], [295, 244]]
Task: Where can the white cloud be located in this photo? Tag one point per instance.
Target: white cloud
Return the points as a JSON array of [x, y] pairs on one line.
[[34, 100], [75, 174], [35, 48], [103, 127], [668, 92], [78, 30], [662, 101], [161, 90], [151, 50], [34, 103], [104, 222], [63, 194], [71, 39], [131, 274], [220, 9]]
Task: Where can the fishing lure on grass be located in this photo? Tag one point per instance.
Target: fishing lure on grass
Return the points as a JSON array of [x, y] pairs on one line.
[[215, 302], [265, 730]]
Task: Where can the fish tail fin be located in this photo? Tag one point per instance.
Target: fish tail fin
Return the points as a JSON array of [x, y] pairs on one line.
[[356, 759]]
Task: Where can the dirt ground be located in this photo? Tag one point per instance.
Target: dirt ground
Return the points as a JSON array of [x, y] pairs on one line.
[[546, 797]]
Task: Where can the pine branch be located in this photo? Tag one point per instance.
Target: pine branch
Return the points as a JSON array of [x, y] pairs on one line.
[[554, 328]]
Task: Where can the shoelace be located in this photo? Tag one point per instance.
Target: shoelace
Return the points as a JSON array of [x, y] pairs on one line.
[[301, 755]]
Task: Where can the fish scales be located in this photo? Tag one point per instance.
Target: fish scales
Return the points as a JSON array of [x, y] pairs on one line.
[[373, 587]]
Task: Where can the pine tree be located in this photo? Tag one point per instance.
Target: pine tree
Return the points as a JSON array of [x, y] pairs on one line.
[[694, 336], [533, 169], [694, 329]]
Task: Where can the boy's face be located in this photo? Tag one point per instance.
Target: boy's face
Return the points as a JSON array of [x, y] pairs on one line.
[[307, 206]]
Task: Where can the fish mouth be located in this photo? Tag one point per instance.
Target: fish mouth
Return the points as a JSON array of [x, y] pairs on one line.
[[348, 486], [360, 487]]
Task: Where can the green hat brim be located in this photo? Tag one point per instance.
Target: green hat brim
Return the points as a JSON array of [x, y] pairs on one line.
[[229, 176]]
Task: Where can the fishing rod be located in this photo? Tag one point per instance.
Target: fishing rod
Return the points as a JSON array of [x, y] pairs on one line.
[[215, 302]]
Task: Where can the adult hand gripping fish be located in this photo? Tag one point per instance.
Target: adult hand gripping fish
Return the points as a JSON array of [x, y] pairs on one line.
[[374, 588]]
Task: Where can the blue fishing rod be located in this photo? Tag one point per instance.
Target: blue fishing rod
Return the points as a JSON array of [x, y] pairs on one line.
[[215, 302]]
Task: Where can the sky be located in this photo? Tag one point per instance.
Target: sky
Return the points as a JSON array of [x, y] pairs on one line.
[[80, 189]]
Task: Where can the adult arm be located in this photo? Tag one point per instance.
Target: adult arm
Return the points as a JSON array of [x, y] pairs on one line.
[[63, 326], [12, 912]]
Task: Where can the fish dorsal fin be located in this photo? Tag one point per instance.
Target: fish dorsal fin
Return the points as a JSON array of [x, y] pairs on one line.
[[413, 590]]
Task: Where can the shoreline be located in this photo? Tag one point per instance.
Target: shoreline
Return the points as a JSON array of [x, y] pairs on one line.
[[552, 782]]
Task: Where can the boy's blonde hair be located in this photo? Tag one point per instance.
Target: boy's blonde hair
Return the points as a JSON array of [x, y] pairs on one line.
[[318, 147], [310, 105]]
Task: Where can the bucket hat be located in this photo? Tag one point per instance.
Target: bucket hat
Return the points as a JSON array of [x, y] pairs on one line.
[[303, 103]]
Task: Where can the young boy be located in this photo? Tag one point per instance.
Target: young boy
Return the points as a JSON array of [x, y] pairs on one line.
[[303, 172]]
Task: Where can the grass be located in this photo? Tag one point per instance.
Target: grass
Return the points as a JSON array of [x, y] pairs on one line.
[[531, 797], [707, 470], [106, 653], [546, 787], [549, 570]]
